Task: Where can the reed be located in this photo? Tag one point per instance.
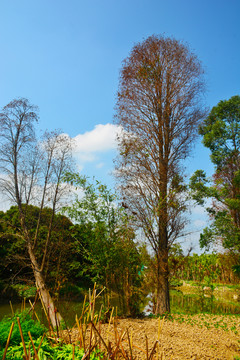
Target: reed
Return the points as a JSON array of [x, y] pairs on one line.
[[90, 336], [8, 340], [112, 343], [23, 342]]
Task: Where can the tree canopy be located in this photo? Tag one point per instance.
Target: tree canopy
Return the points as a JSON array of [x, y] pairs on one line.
[[221, 134]]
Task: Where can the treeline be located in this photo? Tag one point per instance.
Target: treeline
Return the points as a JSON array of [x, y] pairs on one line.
[[208, 268], [79, 256]]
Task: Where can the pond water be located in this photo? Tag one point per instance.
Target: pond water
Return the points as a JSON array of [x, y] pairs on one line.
[[180, 303], [68, 309]]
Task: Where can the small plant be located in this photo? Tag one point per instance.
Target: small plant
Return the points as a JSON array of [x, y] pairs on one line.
[[48, 352], [28, 324], [45, 352], [65, 352]]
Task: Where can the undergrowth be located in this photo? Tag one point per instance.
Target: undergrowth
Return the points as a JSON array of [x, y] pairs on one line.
[[46, 350], [27, 324]]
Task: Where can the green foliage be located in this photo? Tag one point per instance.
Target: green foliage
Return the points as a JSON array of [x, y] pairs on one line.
[[66, 353], [99, 248], [174, 282], [45, 352], [204, 268], [48, 352], [236, 269], [221, 134], [25, 291], [13, 248], [198, 186], [210, 321], [27, 324], [105, 241], [221, 131]]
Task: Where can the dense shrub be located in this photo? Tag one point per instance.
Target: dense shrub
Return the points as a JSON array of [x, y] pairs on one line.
[[25, 291]]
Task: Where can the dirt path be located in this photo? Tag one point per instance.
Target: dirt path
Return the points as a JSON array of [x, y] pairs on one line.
[[196, 337]]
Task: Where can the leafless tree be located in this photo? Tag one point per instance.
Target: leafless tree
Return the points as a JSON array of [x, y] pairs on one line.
[[159, 109], [31, 173]]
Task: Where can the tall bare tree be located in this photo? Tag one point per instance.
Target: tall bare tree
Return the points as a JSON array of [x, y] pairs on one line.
[[159, 108], [31, 173]]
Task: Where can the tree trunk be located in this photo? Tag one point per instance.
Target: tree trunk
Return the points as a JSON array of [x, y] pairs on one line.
[[162, 299], [52, 312]]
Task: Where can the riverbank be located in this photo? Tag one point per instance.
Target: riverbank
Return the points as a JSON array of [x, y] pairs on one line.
[[183, 337]]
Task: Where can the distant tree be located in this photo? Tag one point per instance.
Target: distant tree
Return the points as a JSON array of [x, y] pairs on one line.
[[221, 134], [31, 173], [159, 109]]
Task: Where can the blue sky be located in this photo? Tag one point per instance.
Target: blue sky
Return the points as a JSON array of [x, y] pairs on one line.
[[65, 57]]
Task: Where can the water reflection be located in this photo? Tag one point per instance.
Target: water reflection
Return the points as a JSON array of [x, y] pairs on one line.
[[199, 303], [180, 303]]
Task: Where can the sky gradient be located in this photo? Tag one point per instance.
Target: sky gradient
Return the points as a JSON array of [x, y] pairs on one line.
[[65, 57]]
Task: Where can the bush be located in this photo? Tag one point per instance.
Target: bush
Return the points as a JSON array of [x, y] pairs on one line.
[[16, 352], [25, 291], [46, 351], [27, 323]]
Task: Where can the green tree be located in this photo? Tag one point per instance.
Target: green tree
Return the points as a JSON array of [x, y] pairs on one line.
[[16, 265], [221, 134], [106, 241]]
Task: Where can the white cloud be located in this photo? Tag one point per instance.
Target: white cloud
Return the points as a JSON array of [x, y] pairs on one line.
[[89, 146], [102, 138]]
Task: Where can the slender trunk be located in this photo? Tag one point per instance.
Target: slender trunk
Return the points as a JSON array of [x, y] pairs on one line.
[[162, 300]]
